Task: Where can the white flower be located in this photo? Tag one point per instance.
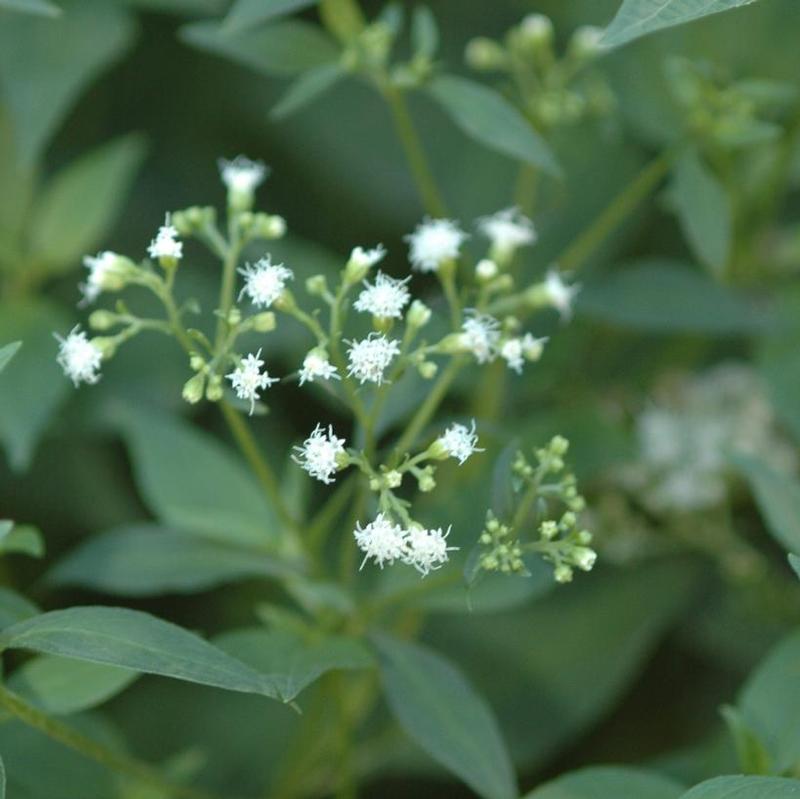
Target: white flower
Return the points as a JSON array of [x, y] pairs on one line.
[[316, 365], [433, 242], [166, 244], [79, 358], [264, 281], [560, 294], [241, 175], [104, 275], [320, 454], [248, 379], [486, 270], [381, 540], [515, 351], [426, 550], [370, 357], [385, 298], [507, 231], [459, 441], [366, 259], [480, 335]]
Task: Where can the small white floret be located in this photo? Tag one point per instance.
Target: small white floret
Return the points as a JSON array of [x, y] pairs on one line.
[[370, 357], [316, 366], [166, 243], [103, 275], [248, 380], [381, 540], [560, 294], [480, 335], [426, 550], [321, 453], [385, 298], [264, 282], [79, 358], [366, 259], [434, 242], [515, 351], [507, 230], [459, 441], [241, 175]]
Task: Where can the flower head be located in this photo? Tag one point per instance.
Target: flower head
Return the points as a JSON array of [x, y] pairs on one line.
[[321, 454], [459, 442], [381, 540], [370, 357], [367, 258], [317, 366], [480, 335], [426, 550], [515, 351], [104, 275], [166, 243], [434, 242], [264, 282], [248, 379], [241, 175], [79, 358], [385, 298], [507, 230], [560, 294]]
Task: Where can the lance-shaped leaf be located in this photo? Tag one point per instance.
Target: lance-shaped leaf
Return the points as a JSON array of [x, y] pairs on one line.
[[245, 14], [8, 352], [306, 88], [20, 540], [604, 782], [14, 607], [740, 787]]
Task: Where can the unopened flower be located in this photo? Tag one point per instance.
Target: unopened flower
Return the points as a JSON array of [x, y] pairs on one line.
[[560, 294], [105, 274], [248, 379], [480, 335], [241, 175], [381, 540], [459, 442], [433, 242], [166, 243], [368, 258], [79, 358], [321, 454], [317, 366], [264, 282], [507, 230], [486, 270], [385, 298], [370, 357], [426, 550], [584, 558], [515, 351]]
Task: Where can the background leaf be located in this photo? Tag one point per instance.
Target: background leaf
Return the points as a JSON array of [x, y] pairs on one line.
[[42, 7], [442, 713], [489, 118], [794, 562], [14, 607], [604, 782], [306, 88], [249, 13], [7, 353], [745, 788], [20, 540]]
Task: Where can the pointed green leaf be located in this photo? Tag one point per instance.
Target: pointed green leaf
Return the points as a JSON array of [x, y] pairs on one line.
[[490, 119], [133, 640], [443, 714], [41, 7], [777, 496], [249, 13], [637, 18], [20, 539], [605, 782], [76, 208], [424, 32], [307, 88], [148, 560], [192, 482], [14, 608], [751, 754], [7, 353], [794, 562], [62, 686], [740, 787]]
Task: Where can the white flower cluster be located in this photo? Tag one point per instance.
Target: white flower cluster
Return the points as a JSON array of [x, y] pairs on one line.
[[370, 357], [507, 231], [264, 282], [166, 244], [481, 335], [560, 294], [459, 442], [366, 259], [386, 542], [385, 298], [79, 358], [104, 275], [317, 366], [434, 242], [241, 175], [322, 454], [248, 380]]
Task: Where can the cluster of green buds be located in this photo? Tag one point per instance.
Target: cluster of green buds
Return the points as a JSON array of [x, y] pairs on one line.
[[553, 91], [548, 502]]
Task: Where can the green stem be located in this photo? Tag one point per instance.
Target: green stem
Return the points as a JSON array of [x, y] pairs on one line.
[[75, 740], [525, 194], [228, 283], [414, 152]]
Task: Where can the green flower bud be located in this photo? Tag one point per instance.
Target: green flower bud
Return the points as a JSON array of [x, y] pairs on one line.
[[317, 286], [418, 314], [483, 54], [102, 320], [106, 344], [584, 558], [585, 43], [214, 390], [427, 370], [563, 573], [193, 388], [486, 270], [264, 322], [197, 362]]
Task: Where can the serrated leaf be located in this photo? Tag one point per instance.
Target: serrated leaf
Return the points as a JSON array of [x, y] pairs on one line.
[[704, 211], [41, 7], [249, 13], [134, 640], [20, 540], [443, 714], [61, 686], [76, 208], [637, 18], [740, 787], [424, 32], [306, 88], [777, 496], [490, 119], [285, 47], [605, 782], [7, 353], [149, 560]]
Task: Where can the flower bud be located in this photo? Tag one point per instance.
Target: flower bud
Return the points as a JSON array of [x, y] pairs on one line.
[[427, 369], [418, 314], [264, 322], [193, 388], [106, 344], [584, 558], [484, 54], [425, 479], [585, 43], [486, 270], [102, 320], [563, 573], [214, 391], [197, 362], [317, 286]]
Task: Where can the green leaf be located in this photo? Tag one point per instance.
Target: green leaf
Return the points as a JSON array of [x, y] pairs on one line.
[[32, 386], [794, 562], [42, 7], [704, 211], [306, 88], [637, 18], [20, 540], [134, 640], [46, 63], [249, 13], [291, 662], [148, 560], [769, 703], [441, 712], [605, 782], [2, 779], [751, 754], [652, 295], [424, 32], [745, 788], [76, 208], [7, 353], [14, 608], [490, 119], [194, 483], [62, 686], [285, 47], [777, 496]]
